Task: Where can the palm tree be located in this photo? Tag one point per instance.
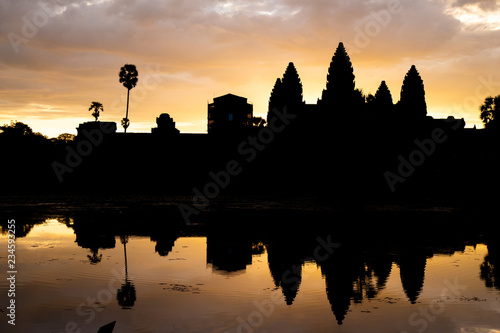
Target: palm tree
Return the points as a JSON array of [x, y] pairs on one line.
[[97, 108], [128, 77]]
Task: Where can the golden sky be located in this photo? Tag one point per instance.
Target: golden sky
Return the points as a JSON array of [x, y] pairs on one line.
[[57, 56]]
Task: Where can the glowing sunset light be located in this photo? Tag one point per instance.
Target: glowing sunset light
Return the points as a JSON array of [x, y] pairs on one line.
[[59, 56]]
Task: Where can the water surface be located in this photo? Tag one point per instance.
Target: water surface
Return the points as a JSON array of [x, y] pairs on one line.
[[78, 272]]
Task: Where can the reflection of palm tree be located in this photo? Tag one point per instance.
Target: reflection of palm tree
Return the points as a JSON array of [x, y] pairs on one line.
[[126, 294], [95, 258]]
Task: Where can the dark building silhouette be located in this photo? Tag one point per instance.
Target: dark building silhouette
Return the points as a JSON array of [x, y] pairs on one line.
[[229, 114], [166, 126], [106, 127]]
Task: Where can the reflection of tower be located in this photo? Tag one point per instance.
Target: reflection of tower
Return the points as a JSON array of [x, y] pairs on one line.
[[370, 276], [412, 271], [339, 285], [382, 269], [126, 294], [350, 276], [286, 270]]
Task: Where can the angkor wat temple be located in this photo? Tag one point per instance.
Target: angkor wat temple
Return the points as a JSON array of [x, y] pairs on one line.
[[347, 145]]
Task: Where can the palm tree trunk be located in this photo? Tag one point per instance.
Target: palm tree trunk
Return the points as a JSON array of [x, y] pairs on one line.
[[126, 115], [126, 268]]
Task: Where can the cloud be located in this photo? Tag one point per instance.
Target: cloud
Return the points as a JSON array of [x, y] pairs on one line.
[[486, 5]]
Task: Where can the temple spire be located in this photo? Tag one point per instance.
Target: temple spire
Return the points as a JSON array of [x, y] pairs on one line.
[[340, 80], [412, 102], [286, 92]]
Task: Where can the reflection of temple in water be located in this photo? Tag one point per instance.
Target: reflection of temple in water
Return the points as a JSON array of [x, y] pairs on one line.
[[230, 254], [412, 271], [164, 242], [349, 276], [285, 266], [93, 239], [354, 273]]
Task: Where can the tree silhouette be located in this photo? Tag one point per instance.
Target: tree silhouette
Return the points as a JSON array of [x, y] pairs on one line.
[[97, 108], [16, 128], [340, 80], [128, 77], [412, 102], [65, 138], [489, 111]]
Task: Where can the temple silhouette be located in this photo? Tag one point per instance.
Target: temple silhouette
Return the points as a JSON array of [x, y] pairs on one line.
[[347, 146], [344, 151]]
